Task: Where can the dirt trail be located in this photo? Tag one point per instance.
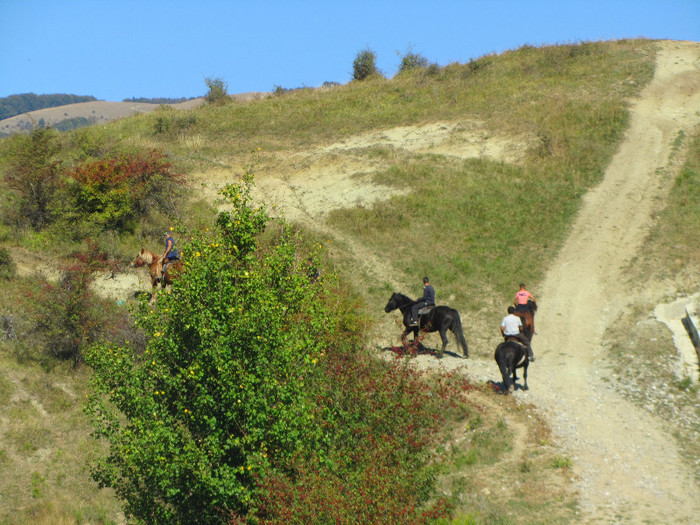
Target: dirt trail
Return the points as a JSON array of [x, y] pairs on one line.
[[627, 466]]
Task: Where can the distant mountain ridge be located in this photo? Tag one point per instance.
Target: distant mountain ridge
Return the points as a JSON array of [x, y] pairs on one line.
[[26, 102], [71, 116]]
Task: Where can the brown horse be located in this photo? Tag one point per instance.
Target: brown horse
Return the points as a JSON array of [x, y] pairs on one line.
[[155, 264], [528, 317]]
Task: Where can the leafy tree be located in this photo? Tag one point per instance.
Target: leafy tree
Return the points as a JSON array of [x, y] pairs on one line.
[[218, 91], [33, 175], [365, 65], [411, 61], [220, 394]]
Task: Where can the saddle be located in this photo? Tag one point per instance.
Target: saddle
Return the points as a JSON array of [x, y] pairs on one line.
[[425, 309], [515, 339], [421, 312]]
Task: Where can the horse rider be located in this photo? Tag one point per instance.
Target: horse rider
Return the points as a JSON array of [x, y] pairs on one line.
[[170, 255], [512, 326], [428, 299], [523, 298]]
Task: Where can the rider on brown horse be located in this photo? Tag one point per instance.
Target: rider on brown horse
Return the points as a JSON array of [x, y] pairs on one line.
[[512, 330], [170, 255], [525, 308]]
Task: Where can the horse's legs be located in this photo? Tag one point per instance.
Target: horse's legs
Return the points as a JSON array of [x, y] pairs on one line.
[[525, 373], [443, 336]]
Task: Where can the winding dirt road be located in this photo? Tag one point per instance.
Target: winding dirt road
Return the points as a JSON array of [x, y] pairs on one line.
[[626, 465]]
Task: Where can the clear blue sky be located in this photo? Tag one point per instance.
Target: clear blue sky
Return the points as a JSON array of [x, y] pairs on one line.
[[114, 49]]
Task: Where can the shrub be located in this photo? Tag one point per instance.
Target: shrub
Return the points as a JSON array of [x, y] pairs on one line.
[[7, 264], [33, 174], [365, 65], [218, 91], [220, 392], [68, 315], [112, 193], [411, 61]]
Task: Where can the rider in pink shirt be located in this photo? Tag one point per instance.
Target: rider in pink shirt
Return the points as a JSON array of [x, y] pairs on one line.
[[522, 298]]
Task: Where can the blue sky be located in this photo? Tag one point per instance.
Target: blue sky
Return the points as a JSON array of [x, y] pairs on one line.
[[155, 48]]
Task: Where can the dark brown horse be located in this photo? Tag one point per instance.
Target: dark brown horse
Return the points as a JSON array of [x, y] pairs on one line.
[[528, 317], [510, 355], [438, 319], [155, 265]]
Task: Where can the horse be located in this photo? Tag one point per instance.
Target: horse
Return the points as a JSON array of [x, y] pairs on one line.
[[438, 319], [528, 317], [510, 355], [155, 263]]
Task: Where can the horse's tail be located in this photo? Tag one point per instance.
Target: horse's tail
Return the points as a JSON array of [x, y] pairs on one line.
[[459, 334]]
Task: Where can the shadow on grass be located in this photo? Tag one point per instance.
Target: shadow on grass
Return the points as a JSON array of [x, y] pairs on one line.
[[499, 387], [413, 349]]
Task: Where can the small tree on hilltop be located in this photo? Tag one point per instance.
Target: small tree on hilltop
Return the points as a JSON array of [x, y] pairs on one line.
[[365, 65], [218, 91], [411, 61]]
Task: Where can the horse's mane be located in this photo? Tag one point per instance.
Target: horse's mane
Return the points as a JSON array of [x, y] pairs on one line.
[[405, 297], [147, 256]]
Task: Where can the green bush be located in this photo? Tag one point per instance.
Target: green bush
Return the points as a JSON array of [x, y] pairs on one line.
[[364, 65], [33, 176], [411, 61], [7, 264], [221, 388], [114, 192], [218, 91]]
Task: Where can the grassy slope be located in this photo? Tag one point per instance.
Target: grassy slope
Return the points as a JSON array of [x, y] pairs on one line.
[[573, 98]]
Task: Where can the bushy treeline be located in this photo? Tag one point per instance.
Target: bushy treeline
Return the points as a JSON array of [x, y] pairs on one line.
[[19, 104], [145, 100], [104, 190]]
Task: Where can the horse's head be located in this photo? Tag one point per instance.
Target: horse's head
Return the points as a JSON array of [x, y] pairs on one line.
[[141, 259], [393, 303]]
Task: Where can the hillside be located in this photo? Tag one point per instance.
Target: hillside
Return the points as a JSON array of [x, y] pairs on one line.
[[394, 190], [98, 112], [641, 476]]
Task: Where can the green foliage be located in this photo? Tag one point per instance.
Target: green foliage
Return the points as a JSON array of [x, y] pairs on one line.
[[411, 61], [33, 176], [112, 193], [364, 65], [220, 390], [218, 91], [7, 264], [169, 120], [74, 123]]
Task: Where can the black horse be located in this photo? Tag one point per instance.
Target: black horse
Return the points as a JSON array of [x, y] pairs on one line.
[[439, 319], [509, 356]]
